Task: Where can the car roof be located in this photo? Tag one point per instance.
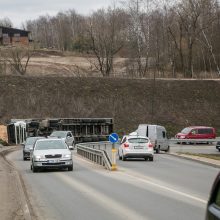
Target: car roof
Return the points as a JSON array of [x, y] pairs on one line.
[[62, 131], [199, 127], [46, 139], [134, 136]]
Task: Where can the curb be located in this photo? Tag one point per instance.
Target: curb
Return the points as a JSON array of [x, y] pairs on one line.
[[195, 160], [23, 198]]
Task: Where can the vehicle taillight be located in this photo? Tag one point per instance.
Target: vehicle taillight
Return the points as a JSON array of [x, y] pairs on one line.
[[126, 145], [150, 145]]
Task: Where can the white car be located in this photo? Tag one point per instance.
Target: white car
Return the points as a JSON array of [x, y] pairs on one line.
[[51, 153], [136, 147]]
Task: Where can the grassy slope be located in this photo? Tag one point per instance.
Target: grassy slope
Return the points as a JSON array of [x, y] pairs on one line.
[[177, 103]]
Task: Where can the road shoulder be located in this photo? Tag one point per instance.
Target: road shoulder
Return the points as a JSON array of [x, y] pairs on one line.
[[13, 204]]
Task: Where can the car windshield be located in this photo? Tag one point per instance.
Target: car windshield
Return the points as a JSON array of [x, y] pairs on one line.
[[50, 144], [138, 140], [61, 134], [186, 130]]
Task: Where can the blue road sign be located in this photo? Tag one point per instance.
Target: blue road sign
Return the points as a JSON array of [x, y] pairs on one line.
[[113, 138]]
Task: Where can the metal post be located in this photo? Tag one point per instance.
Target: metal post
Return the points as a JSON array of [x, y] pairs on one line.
[[114, 166]]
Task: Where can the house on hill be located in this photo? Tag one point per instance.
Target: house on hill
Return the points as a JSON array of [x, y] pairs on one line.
[[13, 36]]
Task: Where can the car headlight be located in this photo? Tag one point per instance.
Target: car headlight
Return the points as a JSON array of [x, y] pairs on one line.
[[38, 157], [67, 156]]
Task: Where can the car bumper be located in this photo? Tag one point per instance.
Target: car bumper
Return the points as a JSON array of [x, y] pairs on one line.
[[138, 155], [48, 164], [218, 147]]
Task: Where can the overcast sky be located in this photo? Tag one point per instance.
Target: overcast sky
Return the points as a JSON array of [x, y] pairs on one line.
[[19, 11]]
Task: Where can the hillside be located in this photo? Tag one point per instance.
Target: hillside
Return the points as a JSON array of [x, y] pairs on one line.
[[176, 103]]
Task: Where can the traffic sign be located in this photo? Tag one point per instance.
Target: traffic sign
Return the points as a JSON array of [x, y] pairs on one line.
[[113, 138]]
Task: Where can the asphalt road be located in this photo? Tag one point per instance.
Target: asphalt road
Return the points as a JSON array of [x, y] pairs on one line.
[[168, 188]]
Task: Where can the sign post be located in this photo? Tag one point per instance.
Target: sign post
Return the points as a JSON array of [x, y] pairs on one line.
[[113, 138]]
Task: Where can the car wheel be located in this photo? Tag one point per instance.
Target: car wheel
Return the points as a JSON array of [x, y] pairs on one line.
[[24, 158], [219, 150], [123, 157], [119, 157], [70, 168], [168, 149], [146, 158], [34, 169], [73, 144], [158, 150], [151, 158]]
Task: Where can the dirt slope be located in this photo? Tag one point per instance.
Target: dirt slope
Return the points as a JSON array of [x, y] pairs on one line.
[[176, 103]]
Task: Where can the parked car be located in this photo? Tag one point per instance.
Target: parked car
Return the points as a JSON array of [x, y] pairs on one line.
[[157, 135], [197, 132], [28, 146], [67, 136], [136, 147], [51, 153], [213, 205], [218, 145]]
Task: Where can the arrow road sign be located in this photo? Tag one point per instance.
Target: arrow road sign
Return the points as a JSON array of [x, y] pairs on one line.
[[113, 138]]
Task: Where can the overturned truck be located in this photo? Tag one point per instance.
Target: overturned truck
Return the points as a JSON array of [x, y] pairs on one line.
[[83, 129]]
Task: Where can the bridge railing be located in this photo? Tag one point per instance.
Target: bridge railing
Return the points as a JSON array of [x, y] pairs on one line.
[[98, 156]]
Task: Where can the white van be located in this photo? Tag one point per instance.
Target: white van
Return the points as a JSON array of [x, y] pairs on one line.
[[157, 135]]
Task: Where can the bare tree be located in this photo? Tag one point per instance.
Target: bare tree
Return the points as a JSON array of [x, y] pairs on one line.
[[106, 36], [18, 59]]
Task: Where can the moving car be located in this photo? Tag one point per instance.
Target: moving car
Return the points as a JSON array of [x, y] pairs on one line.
[[51, 153], [136, 147], [67, 136], [197, 132], [157, 135], [28, 146], [213, 205], [218, 145]]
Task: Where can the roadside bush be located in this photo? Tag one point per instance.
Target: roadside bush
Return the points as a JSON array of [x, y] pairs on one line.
[[4, 143]]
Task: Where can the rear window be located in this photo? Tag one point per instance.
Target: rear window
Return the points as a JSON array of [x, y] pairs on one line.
[[138, 140]]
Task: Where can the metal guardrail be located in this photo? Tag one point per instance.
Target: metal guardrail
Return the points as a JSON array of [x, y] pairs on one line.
[[98, 156], [193, 141]]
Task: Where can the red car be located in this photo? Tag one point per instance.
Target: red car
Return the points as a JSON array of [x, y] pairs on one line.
[[197, 132]]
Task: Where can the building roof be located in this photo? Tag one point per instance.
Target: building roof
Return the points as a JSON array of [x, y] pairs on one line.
[[13, 30]]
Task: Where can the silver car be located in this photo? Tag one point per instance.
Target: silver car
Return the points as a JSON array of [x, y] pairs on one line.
[[136, 147], [67, 136], [51, 153]]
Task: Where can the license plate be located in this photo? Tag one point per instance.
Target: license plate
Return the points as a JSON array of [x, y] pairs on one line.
[[138, 147], [53, 161]]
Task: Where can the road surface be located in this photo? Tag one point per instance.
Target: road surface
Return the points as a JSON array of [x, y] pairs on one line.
[[168, 188]]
